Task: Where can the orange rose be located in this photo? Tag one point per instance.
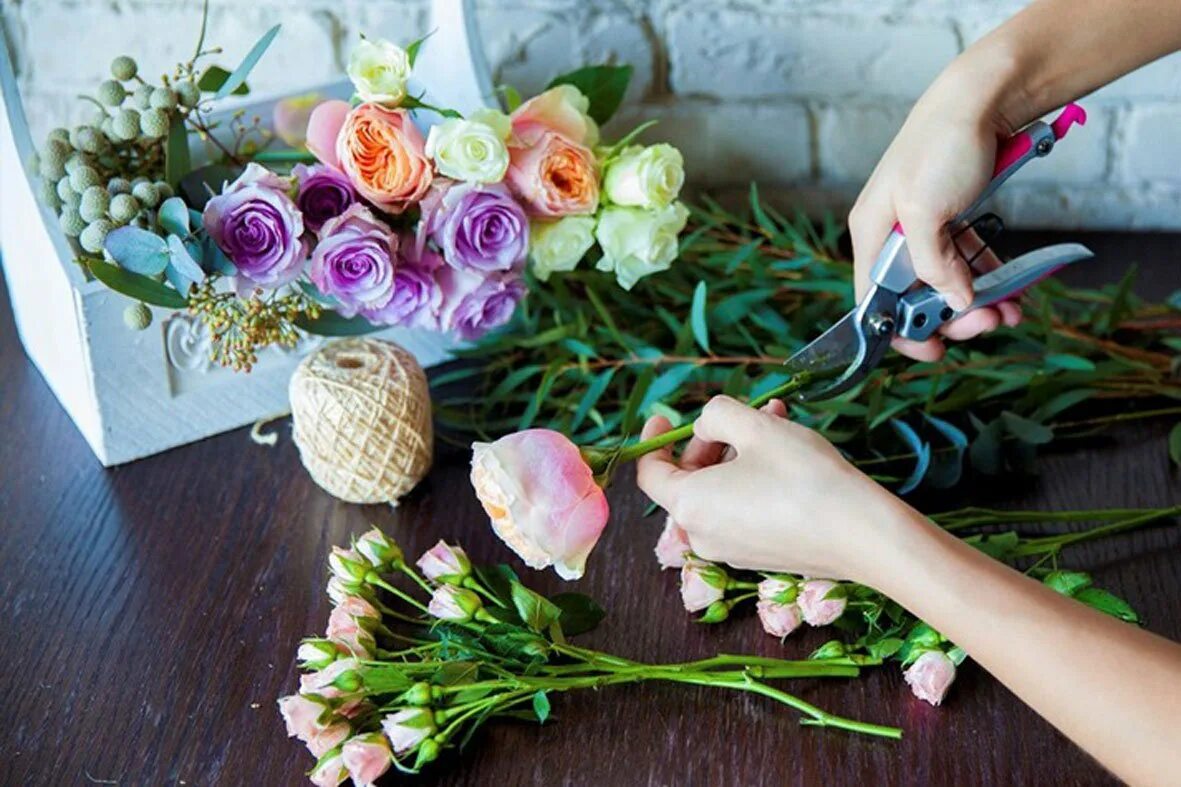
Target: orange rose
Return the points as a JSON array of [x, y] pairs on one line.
[[554, 176], [381, 150]]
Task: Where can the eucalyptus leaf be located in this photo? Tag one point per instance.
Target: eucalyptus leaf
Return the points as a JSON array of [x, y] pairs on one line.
[[182, 260], [136, 286], [214, 78], [238, 76], [173, 216], [922, 455], [697, 316], [331, 323], [137, 250]]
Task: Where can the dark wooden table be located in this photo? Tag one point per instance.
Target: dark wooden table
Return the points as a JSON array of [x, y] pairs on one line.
[[149, 616]]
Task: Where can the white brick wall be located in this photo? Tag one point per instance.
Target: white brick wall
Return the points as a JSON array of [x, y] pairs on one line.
[[801, 95]]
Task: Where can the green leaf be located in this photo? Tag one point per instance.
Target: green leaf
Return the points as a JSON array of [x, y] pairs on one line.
[[884, 648], [215, 77], [173, 216], [580, 613], [133, 285], [331, 323], [137, 250], [512, 97], [1108, 603], [498, 580], [535, 609], [604, 86], [1025, 430], [593, 393], [1074, 363], [1175, 444], [541, 706], [697, 316], [182, 260], [415, 102], [238, 77], [177, 163], [414, 46], [1067, 583]]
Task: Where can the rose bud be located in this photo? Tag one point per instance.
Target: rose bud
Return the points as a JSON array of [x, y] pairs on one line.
[[357, 610], [409, 727], [355, 641], [327, 739], [329, 772], [315, 654], [445, 563], [673, 545], [455, 604], [778, 620], [420, 694], [303, 715], [428, 751], [542, 498], [702, 584], [833, 649], [379, 549], [818, 609], [781, 590], [930, 676], [338, 590], [338, 679], [348, 566], [366, 757], [715, 613]]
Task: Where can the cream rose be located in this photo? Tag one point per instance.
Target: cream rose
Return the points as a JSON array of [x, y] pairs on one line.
[[558, 246], [637, 242], [379, 70], [645, 177], [468, 150]]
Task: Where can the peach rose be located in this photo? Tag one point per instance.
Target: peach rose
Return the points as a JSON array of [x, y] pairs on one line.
[[930, 676], [554, 176], [562, 109], [382, 152], [541, 497]]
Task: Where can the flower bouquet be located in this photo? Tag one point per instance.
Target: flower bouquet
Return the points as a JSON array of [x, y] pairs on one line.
[[390, 211]]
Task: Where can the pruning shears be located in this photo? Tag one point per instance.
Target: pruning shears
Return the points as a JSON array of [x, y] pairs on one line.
[[848, 351]]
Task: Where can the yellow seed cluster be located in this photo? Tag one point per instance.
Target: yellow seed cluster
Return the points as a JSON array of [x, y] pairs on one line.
[[239, 327]]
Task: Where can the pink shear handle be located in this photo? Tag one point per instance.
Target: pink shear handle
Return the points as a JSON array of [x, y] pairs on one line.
[[1017, 147]]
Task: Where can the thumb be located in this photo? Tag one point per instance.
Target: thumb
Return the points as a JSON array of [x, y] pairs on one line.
[[936, 260]]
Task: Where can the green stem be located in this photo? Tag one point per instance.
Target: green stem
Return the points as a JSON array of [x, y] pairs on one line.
[[284, 156], [1035, 546], [373, 579]]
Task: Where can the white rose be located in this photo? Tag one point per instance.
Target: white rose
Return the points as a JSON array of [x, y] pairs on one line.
[[638, 242], [468, 150], [379, 71], [558, 246], [648, 177]]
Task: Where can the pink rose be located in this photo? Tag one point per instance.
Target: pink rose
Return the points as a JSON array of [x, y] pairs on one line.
[[818, 610], [366, 757], [329, 773], [445, 563], [291, 116], [542, 498], [321, 683], [382, 152], [673, 545], [327, 739], [378, 548], [302, 715], [930, 676], [449, 602], [781, 591], [409, 727], [562, 109], [554, 176], [779, 620], [701, 584], [324, 126]]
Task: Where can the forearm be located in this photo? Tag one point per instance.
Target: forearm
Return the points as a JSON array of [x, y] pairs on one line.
[[1056, 51], [1112, 688]]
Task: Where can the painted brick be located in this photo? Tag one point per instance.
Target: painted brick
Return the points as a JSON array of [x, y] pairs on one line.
[[1152, 145], [853, 138]]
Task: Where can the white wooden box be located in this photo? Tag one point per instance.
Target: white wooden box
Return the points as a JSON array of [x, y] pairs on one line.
[[136, 393]]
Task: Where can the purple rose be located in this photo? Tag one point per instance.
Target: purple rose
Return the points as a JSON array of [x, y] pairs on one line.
[[324, 193], [474, 304], [417, 296], [354, 261], [259, 227], [479, 228]]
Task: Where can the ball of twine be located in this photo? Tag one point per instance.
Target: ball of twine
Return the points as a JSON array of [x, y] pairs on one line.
[[361, 413]]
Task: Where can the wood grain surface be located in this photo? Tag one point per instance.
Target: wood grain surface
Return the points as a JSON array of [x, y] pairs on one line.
[[149, 616]]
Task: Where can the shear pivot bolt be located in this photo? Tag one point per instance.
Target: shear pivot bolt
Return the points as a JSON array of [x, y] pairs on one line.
[[882, 324]]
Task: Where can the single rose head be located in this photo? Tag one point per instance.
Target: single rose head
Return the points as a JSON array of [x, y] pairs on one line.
[[417, 301], [354, 261], [445, 563], [930, 676], [347, 566], [542, 498], [303, 715], [409, 727], [366, 757], [637, 242], [479, 228], [258, 226], [327, 739], [379, 70], [779, 620], [563, 110], [702, 584], [324, 125], [324, 193], [454, 604], [329, 772], [818, 609], [672, 548], [557, 246], [468, 150], [316, 654], [338, 679], [474, 303], [290, 118], [381, 150], [645, 177], [779, 590], [554, 177], [380, 550]]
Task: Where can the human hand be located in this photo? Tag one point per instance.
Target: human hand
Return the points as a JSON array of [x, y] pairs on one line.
[[757, 491], [935, 168]]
